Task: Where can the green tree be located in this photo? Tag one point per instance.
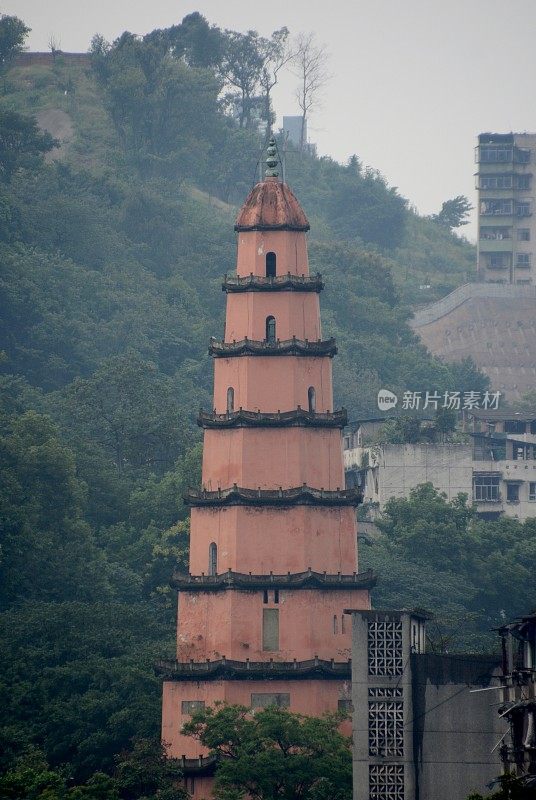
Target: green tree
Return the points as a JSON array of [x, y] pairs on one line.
[[146, 771], [274, 753], [510, 788], [241, 69], [128, 406], [22, 144], [454, 213], [47, 549], [13, 33]]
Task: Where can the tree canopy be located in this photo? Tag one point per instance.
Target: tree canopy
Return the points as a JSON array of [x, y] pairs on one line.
[[273, 754]]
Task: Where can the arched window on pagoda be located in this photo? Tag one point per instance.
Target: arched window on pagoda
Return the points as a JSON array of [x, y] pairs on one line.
[[230, 400], [270, 265], [270, 329], [311, 397], [213, 559]]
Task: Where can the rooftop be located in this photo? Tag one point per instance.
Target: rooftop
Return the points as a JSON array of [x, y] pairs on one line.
[[271, 206]]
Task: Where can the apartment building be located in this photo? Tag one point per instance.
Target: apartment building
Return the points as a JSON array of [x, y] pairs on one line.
[[495, 467], [506, 223]]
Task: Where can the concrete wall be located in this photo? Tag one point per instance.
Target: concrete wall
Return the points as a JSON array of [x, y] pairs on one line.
[[449, 732], [494, 325], [396, 469], [454, 729]]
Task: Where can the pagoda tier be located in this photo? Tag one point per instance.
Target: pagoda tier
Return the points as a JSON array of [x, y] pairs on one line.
[[278, 283], [276, 419], [273, 538]]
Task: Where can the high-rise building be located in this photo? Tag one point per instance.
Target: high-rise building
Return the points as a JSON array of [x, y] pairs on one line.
[[273, 548], [506, 225]]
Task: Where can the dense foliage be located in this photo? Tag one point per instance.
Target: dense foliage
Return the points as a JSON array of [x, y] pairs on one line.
[[472, 574], [273, 754]]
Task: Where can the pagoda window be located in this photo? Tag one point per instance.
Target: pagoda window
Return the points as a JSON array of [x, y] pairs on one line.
[[311, 397], [213, 559], [270, 329], [230, 400], [270, 629], [270, 265], [191, 706]]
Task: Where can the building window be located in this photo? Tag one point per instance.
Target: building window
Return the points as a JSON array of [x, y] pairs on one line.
[[524, 282], [213, 559], [532, 492], [190, 784], [489, 233], [523, 182], [523, 234], [270, 629], [191, 706], [496, 207], [276, 595], [386, 728], [386, 692], [386, 781], [492, 154], [335, 624], [512, 492], [311, 398], [230, 400], [385, 648], [523, 209], [265, 699], [265, 596], [523, 259], [344, 704], [270, 329], [486, 488], [270, 265], [515, 426], [496, 182], [522, 156], [498, 260]]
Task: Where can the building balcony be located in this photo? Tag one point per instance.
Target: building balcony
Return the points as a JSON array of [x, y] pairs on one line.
[[503, 244], [265, 347], [279, 283], [501, 153], [226, 669], [278, 419], [296, 496], [297, 580]]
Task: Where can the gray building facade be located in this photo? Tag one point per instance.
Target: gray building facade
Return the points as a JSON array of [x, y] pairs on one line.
[[419, 732]]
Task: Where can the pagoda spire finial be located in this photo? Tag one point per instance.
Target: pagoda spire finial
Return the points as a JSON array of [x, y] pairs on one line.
[[271, 160]]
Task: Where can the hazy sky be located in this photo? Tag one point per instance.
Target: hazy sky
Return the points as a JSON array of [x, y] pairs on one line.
[[414, 81]]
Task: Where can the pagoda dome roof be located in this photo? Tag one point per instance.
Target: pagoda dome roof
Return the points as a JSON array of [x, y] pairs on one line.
[[271, 206]]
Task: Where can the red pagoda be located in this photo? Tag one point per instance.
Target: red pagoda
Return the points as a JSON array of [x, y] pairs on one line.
[[273, 547]]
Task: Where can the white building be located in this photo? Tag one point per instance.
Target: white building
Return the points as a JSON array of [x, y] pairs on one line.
[[496, 469]]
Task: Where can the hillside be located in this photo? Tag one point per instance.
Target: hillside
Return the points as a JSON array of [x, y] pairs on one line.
[[112, 250]]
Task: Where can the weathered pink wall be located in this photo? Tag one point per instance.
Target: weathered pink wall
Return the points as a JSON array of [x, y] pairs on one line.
[[274, 457], [290, 248], [312, 697], [229, 623], [272, 383], [263, 540], [296, 314]]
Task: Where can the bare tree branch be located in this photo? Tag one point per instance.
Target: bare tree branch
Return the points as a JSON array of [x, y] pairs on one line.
[[309, 61]]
